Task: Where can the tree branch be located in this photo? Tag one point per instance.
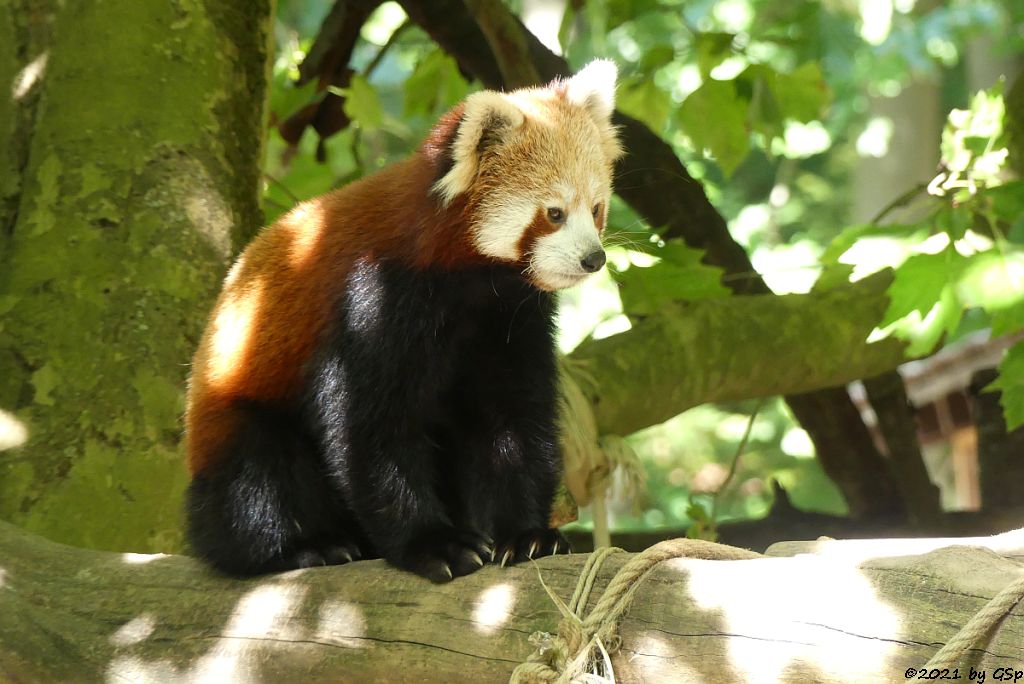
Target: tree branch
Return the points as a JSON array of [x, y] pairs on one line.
[[676, 359], [507, 41], [69, 614]]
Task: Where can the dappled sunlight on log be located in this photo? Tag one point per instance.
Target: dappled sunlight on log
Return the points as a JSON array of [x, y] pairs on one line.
[[135, 630], [29, 76], [661, 662], [13, 432], [139, 671], [265, 612], [341, 624], [494, 607], [262, 618], [860, 550], [141, 558], [806, 609]]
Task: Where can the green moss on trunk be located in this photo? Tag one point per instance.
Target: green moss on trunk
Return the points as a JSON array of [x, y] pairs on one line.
[[144, 154]]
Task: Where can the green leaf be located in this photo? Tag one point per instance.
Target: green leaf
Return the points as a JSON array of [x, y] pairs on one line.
[[435, 84], [646, 102], [776, 97], [711, 49], [803, 94], [993, 280], [286, 99], [1008, 320], [849, 236], [362, 104], [833, 275], [656, 57], [680, 275], [923, 303], [954, 220], [1006, 202], [1011, 383], [714, 116]]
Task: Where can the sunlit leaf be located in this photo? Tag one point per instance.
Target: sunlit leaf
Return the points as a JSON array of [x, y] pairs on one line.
[[1006, 202], [286, 99], [923, 302], [435, 84], [851, 235], [680, 275], [1011, 383], [656, 57], [362, 104], [646, 102], [993, 280], [833, 275], [714, 117], [711, 49], [1009, 319]]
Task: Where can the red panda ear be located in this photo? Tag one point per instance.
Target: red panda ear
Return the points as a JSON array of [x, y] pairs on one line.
[[487, 119], [593, 88]]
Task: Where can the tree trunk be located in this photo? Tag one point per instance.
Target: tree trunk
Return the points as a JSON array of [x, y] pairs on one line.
[[138, 178], [74, 615]]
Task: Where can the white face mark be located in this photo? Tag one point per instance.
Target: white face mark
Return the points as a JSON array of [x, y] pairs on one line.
[[501, 226], [554, 235], [566, 256]]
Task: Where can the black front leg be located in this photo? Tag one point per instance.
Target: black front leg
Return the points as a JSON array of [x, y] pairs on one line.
[[382, 456], [374, 392], [509, 444]]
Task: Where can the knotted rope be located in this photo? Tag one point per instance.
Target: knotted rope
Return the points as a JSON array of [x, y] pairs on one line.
[[581, 650]]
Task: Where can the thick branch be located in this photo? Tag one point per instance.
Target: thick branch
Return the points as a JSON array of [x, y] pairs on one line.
[[716, 350], [888, 398], [507, 41], [69, 614]]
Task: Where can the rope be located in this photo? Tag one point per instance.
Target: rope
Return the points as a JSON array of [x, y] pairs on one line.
[[978, 627], [581, 650]]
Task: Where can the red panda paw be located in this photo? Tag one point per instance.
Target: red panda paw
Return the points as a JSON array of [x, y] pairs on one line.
[[531, 544], [445, 553], [333, 554]]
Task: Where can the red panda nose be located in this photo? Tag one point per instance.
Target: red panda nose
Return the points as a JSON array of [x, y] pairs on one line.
[[593, 261]]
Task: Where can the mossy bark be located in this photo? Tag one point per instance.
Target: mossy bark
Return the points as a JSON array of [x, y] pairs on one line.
[[735, 348], [139, 179]]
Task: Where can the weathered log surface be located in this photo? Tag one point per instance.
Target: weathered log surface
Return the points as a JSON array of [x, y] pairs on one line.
[[76, 615]]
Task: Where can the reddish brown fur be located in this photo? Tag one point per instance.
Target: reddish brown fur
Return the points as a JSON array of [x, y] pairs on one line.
[[538, 228], [277, 300]]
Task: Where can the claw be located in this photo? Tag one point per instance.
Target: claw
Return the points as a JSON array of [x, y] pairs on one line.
[[476, 559], [447, 570], [347, 556], [533, 549], [505, 559]]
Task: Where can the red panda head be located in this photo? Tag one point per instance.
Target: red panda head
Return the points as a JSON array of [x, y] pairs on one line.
[[535, 168]]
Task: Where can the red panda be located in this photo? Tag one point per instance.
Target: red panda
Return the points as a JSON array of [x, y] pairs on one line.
[[378, 376]]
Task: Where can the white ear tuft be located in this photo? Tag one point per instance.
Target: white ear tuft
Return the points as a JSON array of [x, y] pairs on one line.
[[487, 119], [593, 87]]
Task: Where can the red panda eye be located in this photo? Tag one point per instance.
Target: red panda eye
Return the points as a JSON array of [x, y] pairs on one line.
[[597, 210], [556, 215]]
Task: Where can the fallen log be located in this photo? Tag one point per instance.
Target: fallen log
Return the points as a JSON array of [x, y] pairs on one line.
[[78, 615]]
